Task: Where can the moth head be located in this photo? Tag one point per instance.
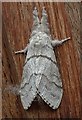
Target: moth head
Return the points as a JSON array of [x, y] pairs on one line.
[[40, 26]]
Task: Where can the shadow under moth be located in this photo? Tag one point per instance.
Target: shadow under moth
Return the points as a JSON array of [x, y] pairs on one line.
[[40, 73]]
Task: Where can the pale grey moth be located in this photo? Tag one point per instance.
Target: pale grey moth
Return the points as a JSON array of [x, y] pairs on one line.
[[40, 73]]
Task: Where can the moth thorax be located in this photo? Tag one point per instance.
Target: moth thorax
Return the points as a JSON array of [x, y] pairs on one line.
[[40, 28]]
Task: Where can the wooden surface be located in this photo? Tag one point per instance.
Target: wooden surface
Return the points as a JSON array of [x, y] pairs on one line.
[[64, 21], [0, 60]]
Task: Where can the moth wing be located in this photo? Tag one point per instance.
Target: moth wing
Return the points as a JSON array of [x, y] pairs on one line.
[[50, 87], [28, 89]]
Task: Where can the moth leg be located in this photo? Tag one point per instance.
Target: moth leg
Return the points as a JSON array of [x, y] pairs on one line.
[[22, 51], [59, 42]]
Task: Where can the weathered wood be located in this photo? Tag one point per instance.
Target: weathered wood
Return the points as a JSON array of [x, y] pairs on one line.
[[17, 20], [0, 60]]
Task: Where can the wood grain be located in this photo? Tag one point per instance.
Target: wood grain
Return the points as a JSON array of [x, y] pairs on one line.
[[63, 22], [0, 60]]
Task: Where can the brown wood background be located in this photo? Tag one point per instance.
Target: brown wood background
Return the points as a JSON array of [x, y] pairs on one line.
[[0, 60], [64, 21]]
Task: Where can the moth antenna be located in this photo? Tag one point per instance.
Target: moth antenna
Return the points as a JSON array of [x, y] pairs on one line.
[[35, 17], [44, 21]]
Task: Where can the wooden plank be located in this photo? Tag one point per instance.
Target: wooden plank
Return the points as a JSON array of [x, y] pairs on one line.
[[17, 18], [0, 61]]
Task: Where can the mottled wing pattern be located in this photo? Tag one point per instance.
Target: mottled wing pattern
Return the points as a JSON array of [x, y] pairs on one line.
[[50, 87], [28, 89]]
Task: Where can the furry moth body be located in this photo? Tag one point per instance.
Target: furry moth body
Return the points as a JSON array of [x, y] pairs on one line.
[[40, 73]]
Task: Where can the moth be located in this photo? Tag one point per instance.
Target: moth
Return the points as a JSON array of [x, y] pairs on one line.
[[40, 73]]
